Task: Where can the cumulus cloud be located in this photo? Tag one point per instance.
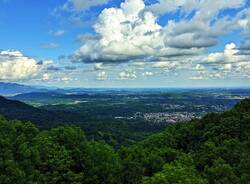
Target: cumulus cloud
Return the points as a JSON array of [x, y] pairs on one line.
[[197, 78], [55, 78], [132, 32], [102, 76], [202, 7], [126, 33], [67, 79], [127, 75], [229, 55], [148, 74], [205, 26], [15, 66], [123, 33], [99, 66], [242, 66], [46, 62], [46, 77], [226, 64], [199, 67], [166, 65]]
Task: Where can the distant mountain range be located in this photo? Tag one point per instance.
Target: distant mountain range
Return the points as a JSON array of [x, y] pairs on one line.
[[10, 89], [14, 89], [38, 96]]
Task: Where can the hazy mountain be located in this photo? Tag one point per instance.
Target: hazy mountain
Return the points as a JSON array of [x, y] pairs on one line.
[[10, 89], [38, 96]]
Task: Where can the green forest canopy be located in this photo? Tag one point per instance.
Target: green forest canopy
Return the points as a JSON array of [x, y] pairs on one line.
[[215, 149]]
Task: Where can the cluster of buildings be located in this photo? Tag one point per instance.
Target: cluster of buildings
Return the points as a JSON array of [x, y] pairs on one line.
[[175, 113], [168, 117]]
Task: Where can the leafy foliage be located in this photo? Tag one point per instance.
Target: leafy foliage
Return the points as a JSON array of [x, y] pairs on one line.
[[217, 147], [61, 155], [212, 150]]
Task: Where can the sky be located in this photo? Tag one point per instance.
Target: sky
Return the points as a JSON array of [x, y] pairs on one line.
[[125, 43]]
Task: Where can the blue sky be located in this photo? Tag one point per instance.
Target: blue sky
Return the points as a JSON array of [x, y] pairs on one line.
[[125, 43]]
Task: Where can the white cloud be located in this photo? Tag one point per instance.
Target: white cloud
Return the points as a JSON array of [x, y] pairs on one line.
[[58, 32], [204, 27], [47, 62], [216, 76], [11, 53], [199, 67], [242, 66], [15, 66], [197, 78], [123, 33], [165, 65], [46, 77], [127, 75], [66, 79], [243, 23], [209, 9], [161, 64], [227, 64], [205, 9], [139, 64], [227, 67], [131, 31], [102, 76], [230, 55], [99, 66], [148, 74]]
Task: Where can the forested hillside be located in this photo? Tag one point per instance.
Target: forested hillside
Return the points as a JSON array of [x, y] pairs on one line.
[[116, 132], [215, 149], [42, 118]]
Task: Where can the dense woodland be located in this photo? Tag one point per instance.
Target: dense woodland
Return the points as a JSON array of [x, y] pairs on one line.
[[215, 149], [115, 132]]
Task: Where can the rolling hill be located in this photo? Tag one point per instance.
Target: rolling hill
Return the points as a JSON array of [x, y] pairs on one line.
[[13, 109]]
